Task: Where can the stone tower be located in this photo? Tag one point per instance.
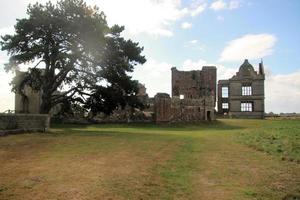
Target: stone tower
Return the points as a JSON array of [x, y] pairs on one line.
[[194, 84]]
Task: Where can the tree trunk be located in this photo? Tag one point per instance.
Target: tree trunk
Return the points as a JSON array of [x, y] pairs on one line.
[[46, 103]]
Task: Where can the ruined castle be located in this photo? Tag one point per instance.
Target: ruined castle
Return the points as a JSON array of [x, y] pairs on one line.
[[194, 96], [243, 95]]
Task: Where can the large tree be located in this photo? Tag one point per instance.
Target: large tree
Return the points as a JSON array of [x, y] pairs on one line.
[[74, 51]]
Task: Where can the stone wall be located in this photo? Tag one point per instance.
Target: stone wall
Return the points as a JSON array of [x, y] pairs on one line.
[[247, 115], [30, 103], [246, 76], [162, 107], [194, 84], [168, 109], [23, 122]]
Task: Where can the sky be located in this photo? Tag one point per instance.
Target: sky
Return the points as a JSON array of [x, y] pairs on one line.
[[189, 34]]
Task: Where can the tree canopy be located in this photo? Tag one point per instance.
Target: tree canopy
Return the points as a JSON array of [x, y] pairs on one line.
[[75, 51]]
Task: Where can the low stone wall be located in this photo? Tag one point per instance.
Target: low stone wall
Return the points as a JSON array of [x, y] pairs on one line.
[[246, 115], [169, 109], [16, 123]]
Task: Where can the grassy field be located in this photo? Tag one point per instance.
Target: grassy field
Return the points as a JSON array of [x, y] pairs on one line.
[[227, 159]]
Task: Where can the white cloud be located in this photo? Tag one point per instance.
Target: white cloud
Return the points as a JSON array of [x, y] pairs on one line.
[[152, 17], [192, 65], [283, 92], [155, 75], [143, 16], [249, 46], [218, 5], [3, 59], [6, 30], [6, 96], [222, 71], [3, 54], [222, 5], [198, 10], [193, 42], [195, 45], [186, 25]]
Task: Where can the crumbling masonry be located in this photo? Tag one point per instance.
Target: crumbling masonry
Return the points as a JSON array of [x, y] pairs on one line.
[[193, 97]]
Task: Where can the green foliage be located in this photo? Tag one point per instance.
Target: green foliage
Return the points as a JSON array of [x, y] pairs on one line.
[[72, 47]]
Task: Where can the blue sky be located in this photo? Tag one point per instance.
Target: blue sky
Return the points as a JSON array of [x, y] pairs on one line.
[[191, 33]]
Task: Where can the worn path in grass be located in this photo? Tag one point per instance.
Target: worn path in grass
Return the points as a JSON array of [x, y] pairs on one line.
[[205, 161]]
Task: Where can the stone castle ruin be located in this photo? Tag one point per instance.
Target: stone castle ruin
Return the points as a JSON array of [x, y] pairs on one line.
[[243, 95], [193, 98], [30, 100]]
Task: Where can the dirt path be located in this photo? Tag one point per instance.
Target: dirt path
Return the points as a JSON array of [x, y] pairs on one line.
[[229, 170]]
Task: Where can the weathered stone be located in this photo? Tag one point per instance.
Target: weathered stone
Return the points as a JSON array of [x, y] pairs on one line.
[[30, 100], [193, 97], [11, 123], [194, 84], [183, 110], [162, 107], [254, 97]]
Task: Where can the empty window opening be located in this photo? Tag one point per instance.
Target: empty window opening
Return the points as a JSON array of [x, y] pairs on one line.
[[208, 115], [246, 106], [225, 105], [225, 92], [246, 90], [181, 96]]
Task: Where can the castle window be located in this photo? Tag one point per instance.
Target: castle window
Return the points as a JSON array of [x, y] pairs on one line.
[[246, 106], [181, 96], [225, 92], [246, 90], [225, 106]]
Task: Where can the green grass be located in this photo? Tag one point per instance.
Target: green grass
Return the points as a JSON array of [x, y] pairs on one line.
[[225, 159], [277, 137]]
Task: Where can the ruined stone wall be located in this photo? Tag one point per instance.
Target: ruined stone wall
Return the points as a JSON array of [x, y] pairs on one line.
[[142, 90], [192, 110], [183, 110], [23, 122], [208, 82], [30, 103], [194, 84], [162, 107], [246, 76]]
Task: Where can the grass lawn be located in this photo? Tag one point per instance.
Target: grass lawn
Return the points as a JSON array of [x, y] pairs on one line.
[[226, 159]]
